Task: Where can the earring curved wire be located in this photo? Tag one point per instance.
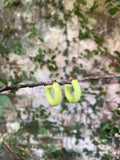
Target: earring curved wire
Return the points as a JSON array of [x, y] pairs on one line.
[[77, 91], [56, 100]]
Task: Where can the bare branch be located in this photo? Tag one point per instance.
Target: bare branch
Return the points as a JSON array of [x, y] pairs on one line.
[[31, 85]]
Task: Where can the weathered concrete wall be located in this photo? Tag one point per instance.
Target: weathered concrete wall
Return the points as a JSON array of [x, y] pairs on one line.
[[53, 37]]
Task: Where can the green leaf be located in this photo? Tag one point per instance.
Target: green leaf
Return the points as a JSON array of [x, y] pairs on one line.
[[83, 72], [104, 126], [6, 4], [74, 60], [116, 141], [48, 15], [109, 5], [99, 40], [5, 100], [0, 112], [107, 1], [53, 57], [76, 69], [74, 40], [117, 52], [24, 74], [3, 81], [53, 23], [52, 66], [41, 39], [42, 129], [115, 130], [94, 6], [40, 51], [113, 11], [83, 2], [89, 54], [33, 79], [18, 49], [117, 111], [94, 82], [88, 152], [117, 68]]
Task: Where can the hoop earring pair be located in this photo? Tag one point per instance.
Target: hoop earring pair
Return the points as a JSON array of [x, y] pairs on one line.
[[56, 100]]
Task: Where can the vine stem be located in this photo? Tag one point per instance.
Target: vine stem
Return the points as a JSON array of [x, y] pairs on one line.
[[31, 85], [8, 147]]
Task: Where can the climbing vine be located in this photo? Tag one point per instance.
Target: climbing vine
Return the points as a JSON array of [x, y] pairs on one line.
[[38, 125]]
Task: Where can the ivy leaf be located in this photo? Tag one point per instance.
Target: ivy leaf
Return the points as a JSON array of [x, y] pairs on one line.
[[3, 81], [99, 40], [42, 129], [41, 39], [6, 4], [33, 79], [113, 11], [74, 40], [82, 71], [53, 57], [117, 52], [94, 82], [18, 49], [83, 2], [5, 100], [52, 66], [94, 7], [76, 69], [33, 33], [53, 23], [107, 1], [48, 15], [117, 68], [0, 112], [24, 74]]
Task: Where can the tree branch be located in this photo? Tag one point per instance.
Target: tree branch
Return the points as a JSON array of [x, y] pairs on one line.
[[31, 85]]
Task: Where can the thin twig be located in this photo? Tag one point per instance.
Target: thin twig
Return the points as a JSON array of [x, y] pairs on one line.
[[8, 147], [31, 85]]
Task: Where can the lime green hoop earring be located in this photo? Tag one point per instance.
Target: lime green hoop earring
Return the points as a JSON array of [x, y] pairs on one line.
[[56, 100], [77, 91]]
